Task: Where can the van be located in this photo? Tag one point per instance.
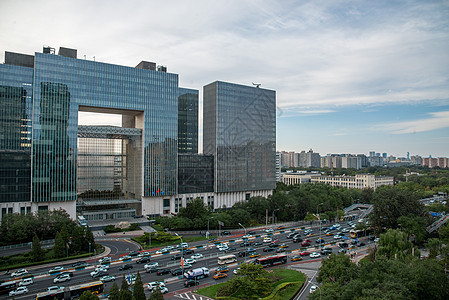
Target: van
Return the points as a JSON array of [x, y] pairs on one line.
[[26, 281]]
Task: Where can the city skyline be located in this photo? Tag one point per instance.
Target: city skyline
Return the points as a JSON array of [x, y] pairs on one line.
[[350, 77]]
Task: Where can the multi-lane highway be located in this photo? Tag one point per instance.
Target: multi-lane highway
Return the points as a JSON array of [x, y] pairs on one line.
[[210, 253]]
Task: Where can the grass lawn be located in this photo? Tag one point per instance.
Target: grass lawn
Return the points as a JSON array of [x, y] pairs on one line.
[[286, 275]]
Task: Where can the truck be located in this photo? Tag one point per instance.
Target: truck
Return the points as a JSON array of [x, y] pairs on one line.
[[196, 274]]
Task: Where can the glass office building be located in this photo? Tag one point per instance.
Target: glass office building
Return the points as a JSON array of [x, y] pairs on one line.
[[187, 121], [240, 132]]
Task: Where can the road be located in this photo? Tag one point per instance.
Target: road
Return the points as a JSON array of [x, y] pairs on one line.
[[210, 253]]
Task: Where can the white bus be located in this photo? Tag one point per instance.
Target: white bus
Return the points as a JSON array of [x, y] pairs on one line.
[[227, 259], [82, 221]]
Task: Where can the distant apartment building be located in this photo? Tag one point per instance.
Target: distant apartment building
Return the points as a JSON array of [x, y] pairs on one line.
[[441, 162], [278, 167], [359, 181], [297, 178]]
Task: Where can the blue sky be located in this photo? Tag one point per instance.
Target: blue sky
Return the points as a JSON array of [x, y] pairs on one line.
[[350, 76]]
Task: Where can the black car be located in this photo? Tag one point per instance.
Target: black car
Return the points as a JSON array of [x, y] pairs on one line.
[[152, 269], [80, 264], [280, 250], [190, 283], [163, 271], [268, 249], [125, 267], [343, 245], [176, 256], [291, 235], [251, 232], [176, 272], [143, 260], [360, 244], [226, 233], [187, 251], [230, 249], [326, 250], [245, 244], [297, 240], [134, 253]]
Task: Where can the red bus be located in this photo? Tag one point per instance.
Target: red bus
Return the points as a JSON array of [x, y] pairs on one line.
[[271, 260]]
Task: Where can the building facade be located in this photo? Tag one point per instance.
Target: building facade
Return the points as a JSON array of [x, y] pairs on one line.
[[359, 181], [187, 121]]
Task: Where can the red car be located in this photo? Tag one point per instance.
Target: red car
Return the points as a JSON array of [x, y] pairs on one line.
[[304, 253], [305, 243]]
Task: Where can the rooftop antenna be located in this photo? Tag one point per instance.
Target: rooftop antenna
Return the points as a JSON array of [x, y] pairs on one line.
[[257, 84]]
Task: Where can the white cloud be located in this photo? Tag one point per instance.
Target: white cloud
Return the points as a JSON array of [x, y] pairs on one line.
[[438, 120]]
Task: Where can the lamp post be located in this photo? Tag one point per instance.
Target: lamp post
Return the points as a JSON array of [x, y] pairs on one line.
[[319, 220], [182, 253], [207, 233], [243, 227]]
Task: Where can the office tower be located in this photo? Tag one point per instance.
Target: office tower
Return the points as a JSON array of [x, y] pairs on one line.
[[240, 132], [187, 121]]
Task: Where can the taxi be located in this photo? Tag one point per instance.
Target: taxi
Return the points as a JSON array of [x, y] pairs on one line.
[[220, 275]]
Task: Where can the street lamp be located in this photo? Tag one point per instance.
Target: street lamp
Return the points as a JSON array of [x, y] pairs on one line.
[[182, 253], [310, 281], [319, 220], [243, 227], [207, 233]]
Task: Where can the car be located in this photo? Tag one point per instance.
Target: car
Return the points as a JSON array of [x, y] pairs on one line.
[[70, 273], [196, 256], [254, 255], [18, 291], [280, 250], [152, 269], [102, 268], [304, 253], [283, 245], [256, 244], [305, 243], [268, 249], [222, 269], [187, 266], [376, 240], [328, 233], [343, 245], [190, 283], [337, 237], [230, 249], [26, 281], [177, 272], [142, 254], [226, 232], [281, 227], [297, 239], [326, 250], [314, 255], [125, 267], [307, 231], [176, 256], [187, 251], [247, 236], [153, 284], [267, 240], [220, 275], [189, 261], [80, 264], [269, 230], [56, 269], [151, 265], [251, 232], [134, 253], [342, 250], [319, 241], [295, 258], [242, 254], [312, 289], [345, 230], [163, 272], [126, 257], [61, 278], [245, 244], [20, 272], [105, 259], [98, 273], [182, 245], [107, 278], [54, 288], [291, 235], [143, 260], [170, 247], [360, 244], [223, 248]]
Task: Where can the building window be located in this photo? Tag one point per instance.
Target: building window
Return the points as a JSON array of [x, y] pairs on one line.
[[247, 196], [9, 210], [43, 208], [3, 211], [22, 210], [28, 209], [166, 204]]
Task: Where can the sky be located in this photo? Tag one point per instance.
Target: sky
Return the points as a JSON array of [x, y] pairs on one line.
[[349, 76]]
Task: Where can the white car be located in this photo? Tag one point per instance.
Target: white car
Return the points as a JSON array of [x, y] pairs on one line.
[[26, 281], [153, 284], [336, 237], [105, 259], [247, 235], [19, 291], [20, 272], [312, 289], [126, 257], [142, 254], [236, 271], [223, 248], [61, 278], [102, 268], [56, 269], [54, 288], [345, 230], [189, 261], [196, 256], [269, 230], [267, 240], [107, 278], [222, 245], [187, 266], [169, 247], [182, 245], [315, 255], [151, 265]]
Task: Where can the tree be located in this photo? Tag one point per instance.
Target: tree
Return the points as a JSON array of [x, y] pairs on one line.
[[37, 254], [394, 244], [414, 226], [138, 293], [125, 293], [194, 209], [337, 269], [434, 245], [251, 280], [444, 233], [77, 240], [87, 295], [114, 292], [59, 248]]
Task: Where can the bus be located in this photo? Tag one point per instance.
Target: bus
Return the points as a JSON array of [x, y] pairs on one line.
[[82, 221], [271, 260], [227, 259], [360, 232], [75, 291]]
